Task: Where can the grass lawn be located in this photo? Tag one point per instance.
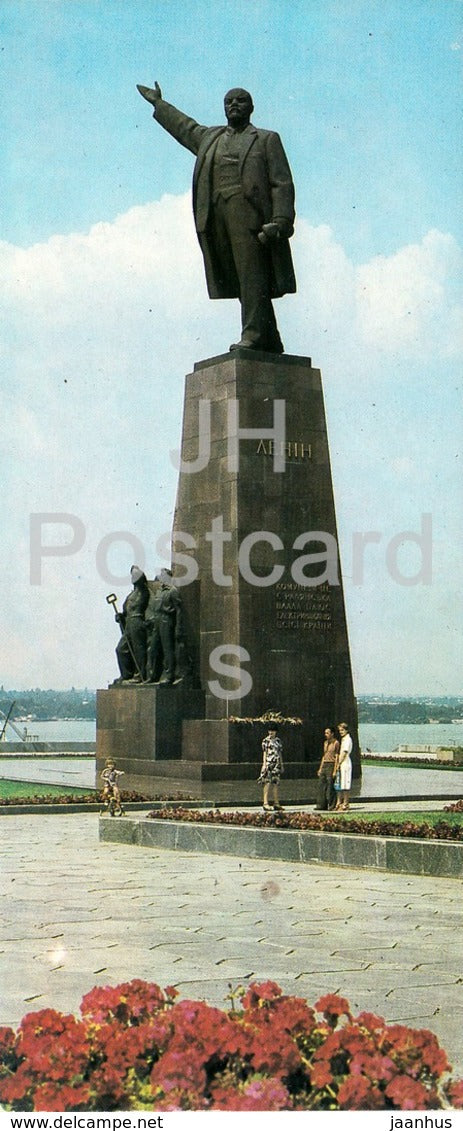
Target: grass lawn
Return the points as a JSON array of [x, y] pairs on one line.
[[34, 789], [412, 764]]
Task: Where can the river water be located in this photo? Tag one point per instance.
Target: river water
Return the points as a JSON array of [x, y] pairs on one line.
[[378, 737], [384, 737]]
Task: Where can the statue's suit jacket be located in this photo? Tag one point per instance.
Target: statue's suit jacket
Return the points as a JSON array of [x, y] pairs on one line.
[[266, 183]]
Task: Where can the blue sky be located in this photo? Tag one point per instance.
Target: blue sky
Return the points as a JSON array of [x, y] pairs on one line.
[[366, 95], [105, 310]]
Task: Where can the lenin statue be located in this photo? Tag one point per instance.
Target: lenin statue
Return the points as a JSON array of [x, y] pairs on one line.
[[243, 203]]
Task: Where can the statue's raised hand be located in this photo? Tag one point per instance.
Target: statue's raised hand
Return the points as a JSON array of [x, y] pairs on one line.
[[152, 96]]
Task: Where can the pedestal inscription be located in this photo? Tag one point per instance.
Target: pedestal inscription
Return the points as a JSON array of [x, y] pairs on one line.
[[297, 607]]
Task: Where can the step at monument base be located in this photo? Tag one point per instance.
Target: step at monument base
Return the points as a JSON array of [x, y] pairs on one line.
[[220, 783]]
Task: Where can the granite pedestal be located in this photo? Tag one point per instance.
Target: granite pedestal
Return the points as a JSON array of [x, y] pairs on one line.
[[258, 529], [255, 556], [140, 727]]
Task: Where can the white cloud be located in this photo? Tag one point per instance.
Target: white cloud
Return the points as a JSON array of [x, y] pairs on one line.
[[99, 329], [403, 302]]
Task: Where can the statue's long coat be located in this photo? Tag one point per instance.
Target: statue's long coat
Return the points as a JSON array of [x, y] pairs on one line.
[[266, 183]]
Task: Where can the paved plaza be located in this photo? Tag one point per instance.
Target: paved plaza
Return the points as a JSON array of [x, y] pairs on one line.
[[79, 913]]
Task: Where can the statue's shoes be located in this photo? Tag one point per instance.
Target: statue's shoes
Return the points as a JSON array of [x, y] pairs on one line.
[[244, 345]]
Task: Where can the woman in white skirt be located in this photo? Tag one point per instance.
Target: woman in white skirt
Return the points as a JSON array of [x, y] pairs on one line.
[[344, 765]]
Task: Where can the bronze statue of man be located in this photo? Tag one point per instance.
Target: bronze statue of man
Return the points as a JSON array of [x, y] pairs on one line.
[[165, 632], [243, 203]]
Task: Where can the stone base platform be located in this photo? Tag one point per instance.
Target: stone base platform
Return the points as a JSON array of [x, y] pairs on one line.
[[157, 736], [140, 726], [224, 783], [378, 853]]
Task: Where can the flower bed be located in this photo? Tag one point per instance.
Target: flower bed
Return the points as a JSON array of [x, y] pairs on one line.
[[300, 821], [135, 1048], [95, 798], [47, 798], [455, 807]]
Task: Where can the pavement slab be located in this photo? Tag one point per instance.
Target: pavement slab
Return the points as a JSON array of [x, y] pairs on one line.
[[79, 912]]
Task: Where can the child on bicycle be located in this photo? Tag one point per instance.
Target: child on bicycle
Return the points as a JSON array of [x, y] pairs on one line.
[[109, 778]]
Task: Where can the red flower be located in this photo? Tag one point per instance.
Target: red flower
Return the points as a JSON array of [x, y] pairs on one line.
[[357, 1094], [320, 1074], [332, 1044], [176, 1071], [123, 1047], [16, 1086], [259, 1095], [208, 1031], [134, 1047], [7, 1039], [260, 993], [454, 1092], [333, 1007], [295, 1015], [131, 1002], [8, 1057], [170, 992], [55, 1045], [433, 1056], [415, 1048], [110, 1088], [376, 1068], [408, 1094], [274, 1051], [371, 1022], [48, 1097]]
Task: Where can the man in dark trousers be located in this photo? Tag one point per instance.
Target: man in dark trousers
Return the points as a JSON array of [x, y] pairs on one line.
[[243, 203]]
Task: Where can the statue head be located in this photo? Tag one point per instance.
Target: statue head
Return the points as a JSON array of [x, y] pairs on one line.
[[165, 577], [238, 107], [136, 574]]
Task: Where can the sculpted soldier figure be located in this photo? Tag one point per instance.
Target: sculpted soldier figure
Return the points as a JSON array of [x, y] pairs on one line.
[[243, 203], [131, 649], [165, 632]]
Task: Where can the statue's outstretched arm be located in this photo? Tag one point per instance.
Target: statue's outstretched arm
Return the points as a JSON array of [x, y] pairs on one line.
[[151, 95], [184, 129]]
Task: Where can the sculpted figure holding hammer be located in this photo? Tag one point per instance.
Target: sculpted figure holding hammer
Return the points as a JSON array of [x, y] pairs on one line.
[[131, 649], [243, 203]]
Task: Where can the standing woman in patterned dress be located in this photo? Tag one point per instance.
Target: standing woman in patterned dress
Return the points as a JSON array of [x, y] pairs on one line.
[[272, 768]]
